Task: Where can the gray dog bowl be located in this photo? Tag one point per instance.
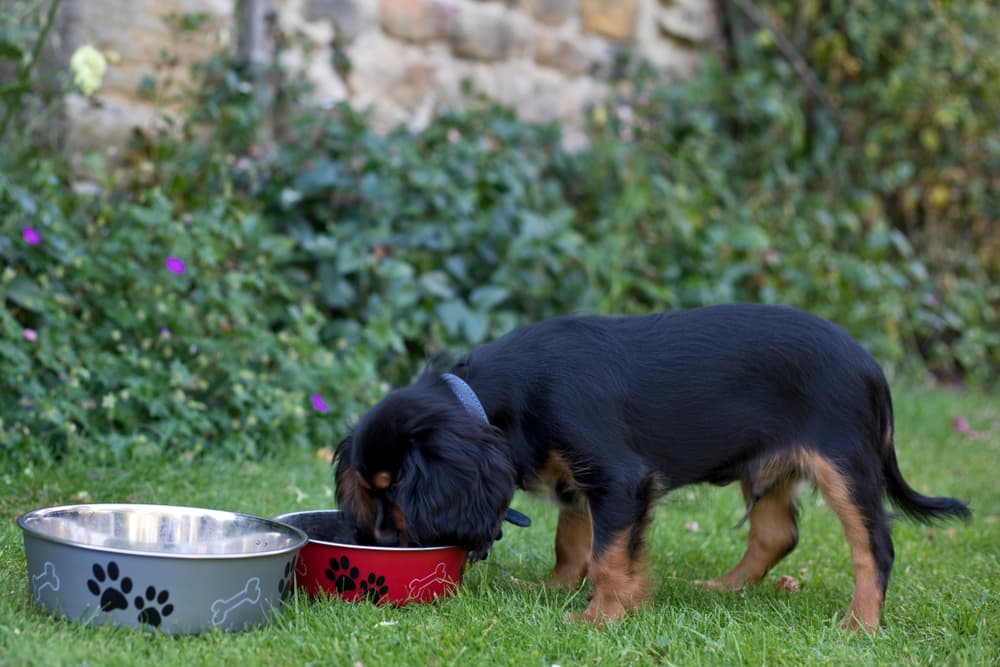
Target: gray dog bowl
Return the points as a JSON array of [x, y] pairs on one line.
[[177, 569]]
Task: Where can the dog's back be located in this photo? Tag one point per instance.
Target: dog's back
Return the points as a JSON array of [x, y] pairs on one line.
[[697, 392]]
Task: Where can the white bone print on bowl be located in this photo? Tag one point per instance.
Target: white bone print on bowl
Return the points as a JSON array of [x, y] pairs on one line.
[[47, 578], [418, 584], [223, 607]]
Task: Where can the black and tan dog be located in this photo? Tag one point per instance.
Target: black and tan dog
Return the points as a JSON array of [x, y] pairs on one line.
[[613, 412]]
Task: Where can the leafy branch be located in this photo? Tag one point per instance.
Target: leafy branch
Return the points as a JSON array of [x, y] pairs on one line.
[[788, 50], [17, 89]]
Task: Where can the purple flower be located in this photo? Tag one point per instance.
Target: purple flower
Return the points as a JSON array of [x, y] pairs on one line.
[[175, 265], [31, 334], [319, 405], [165, 333], [31, 236]]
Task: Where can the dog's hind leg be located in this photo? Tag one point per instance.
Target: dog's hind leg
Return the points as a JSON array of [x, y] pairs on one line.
[[773, 534], [857, 502], [574, 538]]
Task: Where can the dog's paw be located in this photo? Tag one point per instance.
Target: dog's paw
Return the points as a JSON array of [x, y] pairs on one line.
[[595, 619], [718, 584], [852, 623], [566, 577]]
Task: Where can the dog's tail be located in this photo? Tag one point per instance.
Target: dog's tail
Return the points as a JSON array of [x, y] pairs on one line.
[[925, 509]]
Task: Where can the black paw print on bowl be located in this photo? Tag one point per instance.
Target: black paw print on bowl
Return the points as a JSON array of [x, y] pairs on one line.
[[374, 588], [153, 608], [343, 575], [285, 585], [106, 586]]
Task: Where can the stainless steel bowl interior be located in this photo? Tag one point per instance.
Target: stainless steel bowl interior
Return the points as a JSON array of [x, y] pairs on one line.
[[327, 526], [162, 530], [336, 528]]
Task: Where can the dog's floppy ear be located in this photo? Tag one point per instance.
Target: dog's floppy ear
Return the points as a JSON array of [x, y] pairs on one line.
[[350, 494], [456, 482]]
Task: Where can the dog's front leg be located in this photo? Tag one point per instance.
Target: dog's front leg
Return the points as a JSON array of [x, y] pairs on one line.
[[619, 576], [618, 563], [574, 543]]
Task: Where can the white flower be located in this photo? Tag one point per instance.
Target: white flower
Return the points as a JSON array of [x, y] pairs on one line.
[[88, 65]]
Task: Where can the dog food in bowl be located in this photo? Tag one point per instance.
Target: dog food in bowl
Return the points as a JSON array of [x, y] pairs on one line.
[[179, 569], [333, 563]]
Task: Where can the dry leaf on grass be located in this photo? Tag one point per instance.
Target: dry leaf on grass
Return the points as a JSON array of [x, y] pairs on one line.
[[522, 582], [786, 582]]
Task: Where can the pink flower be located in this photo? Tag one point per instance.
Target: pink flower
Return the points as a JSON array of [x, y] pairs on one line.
[[30, 334], [961, 425], [31, 236], [319, 405], [175, 265]]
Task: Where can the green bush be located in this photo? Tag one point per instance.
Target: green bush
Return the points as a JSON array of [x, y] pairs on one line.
[[140, 326], [421, 243], [742, 187], [919, 88]]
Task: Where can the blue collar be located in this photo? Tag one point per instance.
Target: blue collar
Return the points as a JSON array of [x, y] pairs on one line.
[[466, 396]]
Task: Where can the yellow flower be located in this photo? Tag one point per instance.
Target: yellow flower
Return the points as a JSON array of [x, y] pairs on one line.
[[939, 196], [600, 114], [88, 65]]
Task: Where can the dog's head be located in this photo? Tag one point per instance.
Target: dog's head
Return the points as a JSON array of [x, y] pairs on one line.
[[419, 470]]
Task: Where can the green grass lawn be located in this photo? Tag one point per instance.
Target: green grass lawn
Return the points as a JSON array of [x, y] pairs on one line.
[[942, 606]]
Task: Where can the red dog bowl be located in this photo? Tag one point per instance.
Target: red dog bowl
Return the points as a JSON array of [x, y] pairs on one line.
[[331, 562]]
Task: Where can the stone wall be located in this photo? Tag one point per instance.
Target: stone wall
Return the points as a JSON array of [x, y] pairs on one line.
[[408, 58], [138, 34]]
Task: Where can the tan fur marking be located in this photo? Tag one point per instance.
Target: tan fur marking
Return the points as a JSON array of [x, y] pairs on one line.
[[400, 522], [574, 532], [556, 469], [866, 602], [772, 533], [619, 582], [353, 489], [777, 471], [574, 536], [382, 480], [887, 441]]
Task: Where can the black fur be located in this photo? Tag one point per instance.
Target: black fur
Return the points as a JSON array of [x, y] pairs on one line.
[[449, 492], [636, 406]]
